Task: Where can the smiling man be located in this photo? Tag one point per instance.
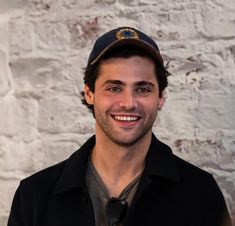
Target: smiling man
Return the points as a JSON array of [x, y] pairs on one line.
[[123, 175]]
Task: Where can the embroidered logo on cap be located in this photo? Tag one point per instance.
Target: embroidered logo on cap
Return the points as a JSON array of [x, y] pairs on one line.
[[126, 33]]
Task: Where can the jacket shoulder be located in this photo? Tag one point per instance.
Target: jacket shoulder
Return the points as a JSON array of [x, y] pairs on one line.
[[188, 169], [199, 181], [44, 180]]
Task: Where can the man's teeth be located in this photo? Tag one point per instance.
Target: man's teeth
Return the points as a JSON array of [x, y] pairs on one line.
[[126, 118]]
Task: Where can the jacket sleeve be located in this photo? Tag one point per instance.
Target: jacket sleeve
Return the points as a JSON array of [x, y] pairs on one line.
[[215, 209], [20, 213]]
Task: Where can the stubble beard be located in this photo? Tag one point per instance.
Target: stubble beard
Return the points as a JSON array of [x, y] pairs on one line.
[[122, 139]]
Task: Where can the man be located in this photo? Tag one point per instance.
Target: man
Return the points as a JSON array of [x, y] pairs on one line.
[[123, 175]]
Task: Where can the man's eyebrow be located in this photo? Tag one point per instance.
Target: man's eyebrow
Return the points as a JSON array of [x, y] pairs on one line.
[[115, 82], [119, 82], [144, 83]]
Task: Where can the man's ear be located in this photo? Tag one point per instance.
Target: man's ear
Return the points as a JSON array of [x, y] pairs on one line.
[[89, 95], [161, 100]]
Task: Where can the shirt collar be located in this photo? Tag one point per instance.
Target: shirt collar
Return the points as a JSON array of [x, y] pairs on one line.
[[160, 161]]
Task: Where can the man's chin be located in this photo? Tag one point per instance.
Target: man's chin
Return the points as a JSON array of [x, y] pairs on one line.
[[126, 140]]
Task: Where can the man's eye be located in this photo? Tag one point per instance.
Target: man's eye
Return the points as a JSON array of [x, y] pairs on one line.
[[114, 89], [142, 90]]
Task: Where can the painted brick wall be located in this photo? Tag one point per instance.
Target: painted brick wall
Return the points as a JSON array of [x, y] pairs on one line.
[[44, 45]]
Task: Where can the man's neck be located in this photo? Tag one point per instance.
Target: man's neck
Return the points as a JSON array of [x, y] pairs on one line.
[[118, 165]]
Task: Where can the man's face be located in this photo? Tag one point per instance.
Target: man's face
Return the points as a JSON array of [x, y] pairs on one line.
[[126, 99]]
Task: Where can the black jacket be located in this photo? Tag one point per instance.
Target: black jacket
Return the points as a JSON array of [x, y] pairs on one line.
[[171, 192]]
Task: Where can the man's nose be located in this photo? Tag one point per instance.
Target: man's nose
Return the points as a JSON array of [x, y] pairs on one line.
[[128, 100]]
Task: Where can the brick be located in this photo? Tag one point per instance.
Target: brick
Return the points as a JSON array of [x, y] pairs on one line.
[[51, 36], [7, 188], [60, 115], [202, 151], [50, 152], [78, 4], [5, 82], [36, 77], [21, 164], [82, 31], [21, 38], [213, 18], [7, 6], [4, 40], [219, 114], [18, 118], [3, 219], [41, 8]]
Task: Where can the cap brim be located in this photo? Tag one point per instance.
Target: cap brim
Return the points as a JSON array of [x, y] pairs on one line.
[[153, 52]]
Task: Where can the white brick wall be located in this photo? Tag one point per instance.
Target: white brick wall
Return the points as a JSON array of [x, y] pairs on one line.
[[44, 45]]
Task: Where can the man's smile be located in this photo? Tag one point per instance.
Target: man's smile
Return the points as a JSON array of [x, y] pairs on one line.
[[126, 118]]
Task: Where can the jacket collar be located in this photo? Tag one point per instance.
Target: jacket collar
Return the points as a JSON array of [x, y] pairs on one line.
[[159, 162], [73, 174]]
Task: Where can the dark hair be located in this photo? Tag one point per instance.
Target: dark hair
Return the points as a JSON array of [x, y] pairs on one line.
[[91, 73]]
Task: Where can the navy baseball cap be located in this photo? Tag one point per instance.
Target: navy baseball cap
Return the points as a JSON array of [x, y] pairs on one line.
[[124, 36]]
